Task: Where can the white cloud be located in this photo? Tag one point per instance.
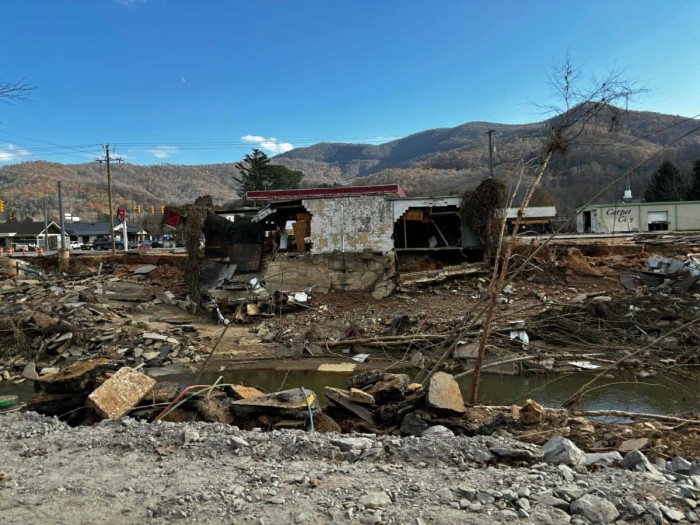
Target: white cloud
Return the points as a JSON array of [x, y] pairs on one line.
[[11, 153], [163, 152], [270, 144]]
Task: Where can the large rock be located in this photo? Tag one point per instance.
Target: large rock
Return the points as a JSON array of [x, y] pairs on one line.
[[120, 393], [531, 413], [375, 500], [413, 424], [633, 444], [561, 451], [602, 458], [444, 394], [391, 388], [361, 397], [635, 460], [594, 509], [517, 452]]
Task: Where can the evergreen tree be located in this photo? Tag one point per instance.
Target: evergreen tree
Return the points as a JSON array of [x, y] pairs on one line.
[[694, 192], [667, 184], [256, 173]]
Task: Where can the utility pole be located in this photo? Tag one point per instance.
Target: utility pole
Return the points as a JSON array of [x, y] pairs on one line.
[[489, 133], [62, 218], [107, 160], [46, 226]]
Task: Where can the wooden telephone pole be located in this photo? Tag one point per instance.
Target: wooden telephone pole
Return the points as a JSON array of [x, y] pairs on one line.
[[107, 159]]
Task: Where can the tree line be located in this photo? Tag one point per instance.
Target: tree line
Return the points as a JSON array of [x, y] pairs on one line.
[[669, 183]]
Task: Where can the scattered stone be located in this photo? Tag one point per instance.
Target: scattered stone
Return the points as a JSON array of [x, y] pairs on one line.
[[594, 509], [679, 465], [671, 514], [49, 370], [346, 444], [30, 371], [517, 452], [560, 450], [144, 270], [120, 393], [391, 388], [437, 430], [167, 298], [375, 500], [413, 424], [238, 442], [635, 460], [444, 394], [602, 458], [632, 444], [531, 412]]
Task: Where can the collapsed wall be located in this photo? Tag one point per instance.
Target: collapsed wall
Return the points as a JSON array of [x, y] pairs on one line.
[[336, 271]]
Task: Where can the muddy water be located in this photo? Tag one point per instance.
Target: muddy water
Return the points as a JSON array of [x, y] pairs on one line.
[[657, 395]]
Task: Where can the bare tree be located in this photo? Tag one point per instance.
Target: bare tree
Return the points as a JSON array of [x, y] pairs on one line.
[[18, 90], [586, 108]]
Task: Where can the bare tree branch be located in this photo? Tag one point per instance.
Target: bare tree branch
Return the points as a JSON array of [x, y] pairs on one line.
[[18, 90]]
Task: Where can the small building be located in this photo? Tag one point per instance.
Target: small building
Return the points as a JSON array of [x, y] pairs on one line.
[[639, 217], [535, 218], [85, 232], [24, 234]]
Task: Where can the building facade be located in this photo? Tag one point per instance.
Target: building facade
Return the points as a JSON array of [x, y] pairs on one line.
[[635, 217]]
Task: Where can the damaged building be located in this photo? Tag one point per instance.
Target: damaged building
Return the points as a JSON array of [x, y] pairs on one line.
[[354, 238]]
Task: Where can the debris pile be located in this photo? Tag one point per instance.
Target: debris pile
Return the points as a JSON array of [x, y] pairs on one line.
[[56, 322]]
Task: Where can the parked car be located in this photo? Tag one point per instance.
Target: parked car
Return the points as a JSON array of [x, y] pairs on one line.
[[106, 244], [145, 244], [156, 244], [86, 245], [75, 245], [180, 243]]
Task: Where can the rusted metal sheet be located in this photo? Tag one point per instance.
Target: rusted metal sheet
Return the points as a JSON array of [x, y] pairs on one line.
[[245, 256]]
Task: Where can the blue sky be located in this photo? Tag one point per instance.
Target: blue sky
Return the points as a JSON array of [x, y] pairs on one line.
[[203, 81]]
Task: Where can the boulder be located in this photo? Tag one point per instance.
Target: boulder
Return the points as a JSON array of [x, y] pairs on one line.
[[595, 509], [531, 413], [602, 458], [413, 424], [437, 431], [391, 388], [561, 451], [633, 444], [120, 393], [444, 394], [375, 500], [635, 460]]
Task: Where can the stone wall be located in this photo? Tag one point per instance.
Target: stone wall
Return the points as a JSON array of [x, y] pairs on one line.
[[332, 272]]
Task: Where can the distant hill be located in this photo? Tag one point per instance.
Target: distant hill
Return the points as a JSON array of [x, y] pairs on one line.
[[434, 162]]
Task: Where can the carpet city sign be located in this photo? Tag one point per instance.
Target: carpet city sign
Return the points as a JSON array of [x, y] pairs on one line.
[[622, 214], [121, 214]]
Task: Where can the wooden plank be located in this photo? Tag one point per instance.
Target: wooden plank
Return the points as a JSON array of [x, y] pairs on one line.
[[340, 397]]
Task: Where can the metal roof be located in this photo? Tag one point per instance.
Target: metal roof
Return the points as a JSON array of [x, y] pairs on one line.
[[321, 193], [27, 228]]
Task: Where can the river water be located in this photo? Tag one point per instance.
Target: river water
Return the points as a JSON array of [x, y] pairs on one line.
[[656, 395]]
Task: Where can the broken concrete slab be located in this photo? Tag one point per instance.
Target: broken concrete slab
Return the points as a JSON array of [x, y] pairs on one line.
[[292, 403], [363, 379], [30, 371], [78, 377], [444, 394], [145, 270], [632, 444], [342, 398], [245, 392], [361, 397], [120, 393]]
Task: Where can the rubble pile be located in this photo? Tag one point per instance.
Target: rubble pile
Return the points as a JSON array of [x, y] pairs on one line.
[[57, 321]]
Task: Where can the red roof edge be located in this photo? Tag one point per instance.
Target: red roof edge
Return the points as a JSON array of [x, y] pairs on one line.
[[320, 193]]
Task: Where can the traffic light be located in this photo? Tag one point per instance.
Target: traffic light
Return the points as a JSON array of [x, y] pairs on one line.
[[11, 216], [2, 206], [162, 210], [151, 210]]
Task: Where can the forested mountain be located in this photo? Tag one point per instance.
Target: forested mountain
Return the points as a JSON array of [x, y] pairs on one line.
[[433, 162]]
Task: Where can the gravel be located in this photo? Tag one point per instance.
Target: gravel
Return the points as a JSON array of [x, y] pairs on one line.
[[134, 472]]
